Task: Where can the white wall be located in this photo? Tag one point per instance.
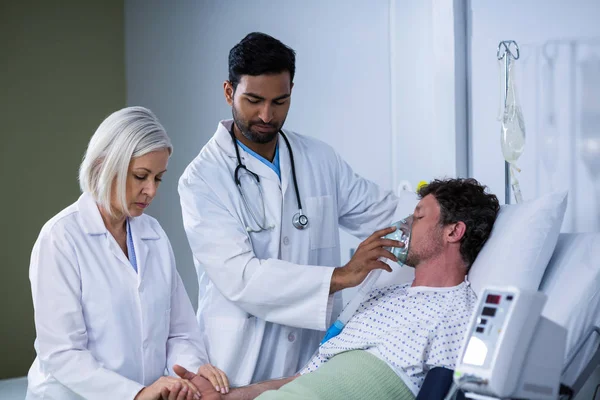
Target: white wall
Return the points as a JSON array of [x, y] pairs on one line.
[[554, 153], [176, 62], [429, 82]]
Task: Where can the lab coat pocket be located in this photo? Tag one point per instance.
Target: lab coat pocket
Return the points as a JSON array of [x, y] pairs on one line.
[[323, 227]]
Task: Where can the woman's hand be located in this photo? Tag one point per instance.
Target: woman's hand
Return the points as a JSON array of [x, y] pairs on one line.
[[162, 389], [217, 377], [206, 388]]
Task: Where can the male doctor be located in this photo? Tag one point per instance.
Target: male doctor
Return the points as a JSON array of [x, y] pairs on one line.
[[261, 209]]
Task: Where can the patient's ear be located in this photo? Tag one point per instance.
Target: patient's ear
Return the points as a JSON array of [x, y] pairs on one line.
[[456, 232]]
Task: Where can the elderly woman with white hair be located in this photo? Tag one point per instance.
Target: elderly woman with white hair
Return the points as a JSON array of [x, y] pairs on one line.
[[111, 313]]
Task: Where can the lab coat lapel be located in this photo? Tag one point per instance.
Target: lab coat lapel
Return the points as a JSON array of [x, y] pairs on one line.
[[225, 142], [93, 225], [259, 168], [285, 164], [223, 138], [141, 232], [270, 183]]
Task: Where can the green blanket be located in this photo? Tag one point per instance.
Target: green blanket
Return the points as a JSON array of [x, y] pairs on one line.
[[349, 375]]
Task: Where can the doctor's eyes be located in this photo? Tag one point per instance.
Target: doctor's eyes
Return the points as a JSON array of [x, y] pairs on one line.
[[256, 101], [143, 178]]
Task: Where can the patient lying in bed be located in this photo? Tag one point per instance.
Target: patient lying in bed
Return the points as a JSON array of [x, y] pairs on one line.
[[402, 331]]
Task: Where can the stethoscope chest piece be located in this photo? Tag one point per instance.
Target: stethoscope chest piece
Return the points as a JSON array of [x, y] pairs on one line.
[[300, 221]]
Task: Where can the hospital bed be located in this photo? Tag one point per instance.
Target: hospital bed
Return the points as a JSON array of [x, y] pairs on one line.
[[572, 284], [571, 280]]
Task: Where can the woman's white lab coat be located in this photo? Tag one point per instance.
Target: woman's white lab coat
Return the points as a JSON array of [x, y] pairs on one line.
[[103, 330], [264, 297]]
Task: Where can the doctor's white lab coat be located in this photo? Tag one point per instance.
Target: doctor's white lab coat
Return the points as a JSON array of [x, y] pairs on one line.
[[103, 330], [264, 297]]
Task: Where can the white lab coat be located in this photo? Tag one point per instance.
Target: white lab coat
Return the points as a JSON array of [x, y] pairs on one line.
[[264, 297], [103, 330]]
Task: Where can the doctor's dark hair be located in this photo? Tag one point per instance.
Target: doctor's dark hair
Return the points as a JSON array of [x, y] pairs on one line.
[[465, 200], [259, 54]]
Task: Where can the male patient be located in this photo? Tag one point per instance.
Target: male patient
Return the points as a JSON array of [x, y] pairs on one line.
[[401, 330]]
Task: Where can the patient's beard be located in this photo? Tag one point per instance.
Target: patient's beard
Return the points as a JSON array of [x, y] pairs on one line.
[[412, 259], [430, 249]]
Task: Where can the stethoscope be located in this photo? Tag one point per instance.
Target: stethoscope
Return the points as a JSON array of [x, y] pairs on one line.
[[300, 221]]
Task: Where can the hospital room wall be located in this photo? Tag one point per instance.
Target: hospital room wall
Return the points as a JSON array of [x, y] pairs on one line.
[[176, 62], [61, 73], [558, 82]]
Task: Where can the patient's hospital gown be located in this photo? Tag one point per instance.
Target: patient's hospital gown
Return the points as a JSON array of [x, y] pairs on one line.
[[412, 329]]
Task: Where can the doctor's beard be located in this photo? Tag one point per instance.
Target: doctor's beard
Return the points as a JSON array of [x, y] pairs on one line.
[[255, 136]]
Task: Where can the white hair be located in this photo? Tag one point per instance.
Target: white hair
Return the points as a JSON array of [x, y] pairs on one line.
[[128, 133]]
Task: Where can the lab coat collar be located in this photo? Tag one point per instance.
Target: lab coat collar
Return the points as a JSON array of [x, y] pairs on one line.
[[90, 215], [94, 225], [223, 139]]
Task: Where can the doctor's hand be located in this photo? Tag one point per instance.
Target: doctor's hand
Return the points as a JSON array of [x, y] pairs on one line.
[[166, 387], [206, 388], [365, 259], [216, 377]]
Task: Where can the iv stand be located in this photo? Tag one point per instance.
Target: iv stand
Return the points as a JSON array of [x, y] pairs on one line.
[[504, 52]]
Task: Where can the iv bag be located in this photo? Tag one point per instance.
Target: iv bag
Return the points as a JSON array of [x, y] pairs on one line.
[[513, 127]]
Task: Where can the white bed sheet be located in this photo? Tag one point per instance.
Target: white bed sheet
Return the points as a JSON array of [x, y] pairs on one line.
[[13, 389], [572, 283]]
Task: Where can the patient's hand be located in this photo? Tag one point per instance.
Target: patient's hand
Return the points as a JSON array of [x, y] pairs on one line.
[[207, 390]]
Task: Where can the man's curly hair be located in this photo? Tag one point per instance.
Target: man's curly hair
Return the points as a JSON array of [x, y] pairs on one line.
[[465, 200]]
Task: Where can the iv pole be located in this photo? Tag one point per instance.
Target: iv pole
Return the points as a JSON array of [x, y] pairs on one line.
[[504, 52]]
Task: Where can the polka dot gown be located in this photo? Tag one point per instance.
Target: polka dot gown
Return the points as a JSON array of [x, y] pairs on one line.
[[412, 329]]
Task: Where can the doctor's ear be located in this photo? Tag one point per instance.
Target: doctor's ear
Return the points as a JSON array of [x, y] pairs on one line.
[[456, 231], [229, 92]]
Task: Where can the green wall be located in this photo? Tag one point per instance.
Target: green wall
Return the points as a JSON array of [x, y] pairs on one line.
[[61, 72]]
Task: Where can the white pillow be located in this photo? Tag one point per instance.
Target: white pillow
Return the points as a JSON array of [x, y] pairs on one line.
[[521, 244]]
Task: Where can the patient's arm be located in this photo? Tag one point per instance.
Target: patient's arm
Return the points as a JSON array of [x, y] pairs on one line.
[[252, 391], [243, 393]]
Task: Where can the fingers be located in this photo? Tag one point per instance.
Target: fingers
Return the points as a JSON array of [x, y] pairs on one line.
[[183, 373], [217, 373], [178, 389], [383, 243], [376, 235], [224, 379], [192, 389], [174, 391], [377, 250], [208, 372], [380, 265], [383, 253], [221, 378], [381, 233], [373, 265], [183, 393]]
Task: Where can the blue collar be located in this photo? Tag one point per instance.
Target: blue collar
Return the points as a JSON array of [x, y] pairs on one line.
[[273, 165]]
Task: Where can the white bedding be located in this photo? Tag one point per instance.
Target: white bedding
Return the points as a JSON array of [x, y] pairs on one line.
[[13, 389], [572, 283]]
